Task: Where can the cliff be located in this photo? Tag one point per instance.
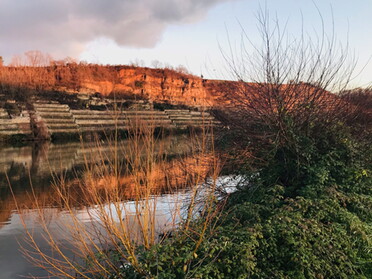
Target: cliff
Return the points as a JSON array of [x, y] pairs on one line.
[[129, 82], [157, 85]]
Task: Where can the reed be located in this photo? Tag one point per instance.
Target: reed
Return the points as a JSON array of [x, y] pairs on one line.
[[111, 211]]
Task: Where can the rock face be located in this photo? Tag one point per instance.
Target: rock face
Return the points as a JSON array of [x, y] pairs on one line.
[[129, 82], [158, 85]]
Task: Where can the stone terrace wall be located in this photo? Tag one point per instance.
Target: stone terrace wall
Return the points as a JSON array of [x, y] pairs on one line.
[[186, 118], [53, 120], [96, 121], [15, 126]]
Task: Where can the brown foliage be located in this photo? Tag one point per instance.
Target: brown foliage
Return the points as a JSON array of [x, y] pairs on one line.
[[287, 77]]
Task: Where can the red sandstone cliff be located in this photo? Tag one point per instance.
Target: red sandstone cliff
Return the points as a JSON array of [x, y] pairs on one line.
[[155, 84], [159, 85]]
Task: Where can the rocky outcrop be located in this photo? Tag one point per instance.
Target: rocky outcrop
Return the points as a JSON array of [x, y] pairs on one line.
[[155, 84]]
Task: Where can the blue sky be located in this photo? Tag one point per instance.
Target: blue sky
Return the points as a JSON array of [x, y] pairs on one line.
[[174, 32], [197, 45]]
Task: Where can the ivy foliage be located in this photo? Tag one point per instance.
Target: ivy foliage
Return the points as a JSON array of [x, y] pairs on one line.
[[307, 213]]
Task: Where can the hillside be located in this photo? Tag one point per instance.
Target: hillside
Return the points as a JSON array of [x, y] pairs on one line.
[[157, 85], [66, 82]]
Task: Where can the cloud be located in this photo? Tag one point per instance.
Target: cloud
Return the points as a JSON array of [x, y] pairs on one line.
[[64, 27]]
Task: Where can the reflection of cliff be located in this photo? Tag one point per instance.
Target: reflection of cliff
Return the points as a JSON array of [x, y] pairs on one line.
[[40, 161], [163, 177]]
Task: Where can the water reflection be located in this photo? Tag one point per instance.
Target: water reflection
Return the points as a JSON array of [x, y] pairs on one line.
[[60, 225], [34, 165]]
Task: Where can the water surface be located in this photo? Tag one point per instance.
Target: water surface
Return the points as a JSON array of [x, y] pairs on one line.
[[33, 169]]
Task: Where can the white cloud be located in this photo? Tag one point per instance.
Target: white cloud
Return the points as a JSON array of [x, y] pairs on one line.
[[63, 27]]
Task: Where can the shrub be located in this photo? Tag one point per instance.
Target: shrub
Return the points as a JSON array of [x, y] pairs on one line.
[[293, 219]]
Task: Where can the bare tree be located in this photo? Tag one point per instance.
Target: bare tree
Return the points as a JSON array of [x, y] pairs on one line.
[[156, 64], [138, 63], [182, 69], [285, 81], [34, 58], [16, 61]]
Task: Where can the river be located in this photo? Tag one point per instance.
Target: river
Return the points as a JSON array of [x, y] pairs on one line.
[[29, 173]]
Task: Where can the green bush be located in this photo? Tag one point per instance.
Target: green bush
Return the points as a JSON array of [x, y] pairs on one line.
[[306, 214]]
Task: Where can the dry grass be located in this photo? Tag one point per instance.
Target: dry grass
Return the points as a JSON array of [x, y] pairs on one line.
[[114, 205]]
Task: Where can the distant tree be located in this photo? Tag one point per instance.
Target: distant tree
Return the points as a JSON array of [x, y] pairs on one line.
[[156, 64], [137, 63], [16, 61], [69, 60], [36, 58], [57, 63], [168, 66], [1, 61], [33, 58], [182, 69], [83, 63]]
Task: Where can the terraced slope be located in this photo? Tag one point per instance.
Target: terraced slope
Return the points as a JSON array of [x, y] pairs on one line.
[[52, 119], [14, 126], [186, 118], [91, 121]]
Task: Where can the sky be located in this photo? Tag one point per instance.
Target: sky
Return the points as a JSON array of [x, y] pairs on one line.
[[192, 33]]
